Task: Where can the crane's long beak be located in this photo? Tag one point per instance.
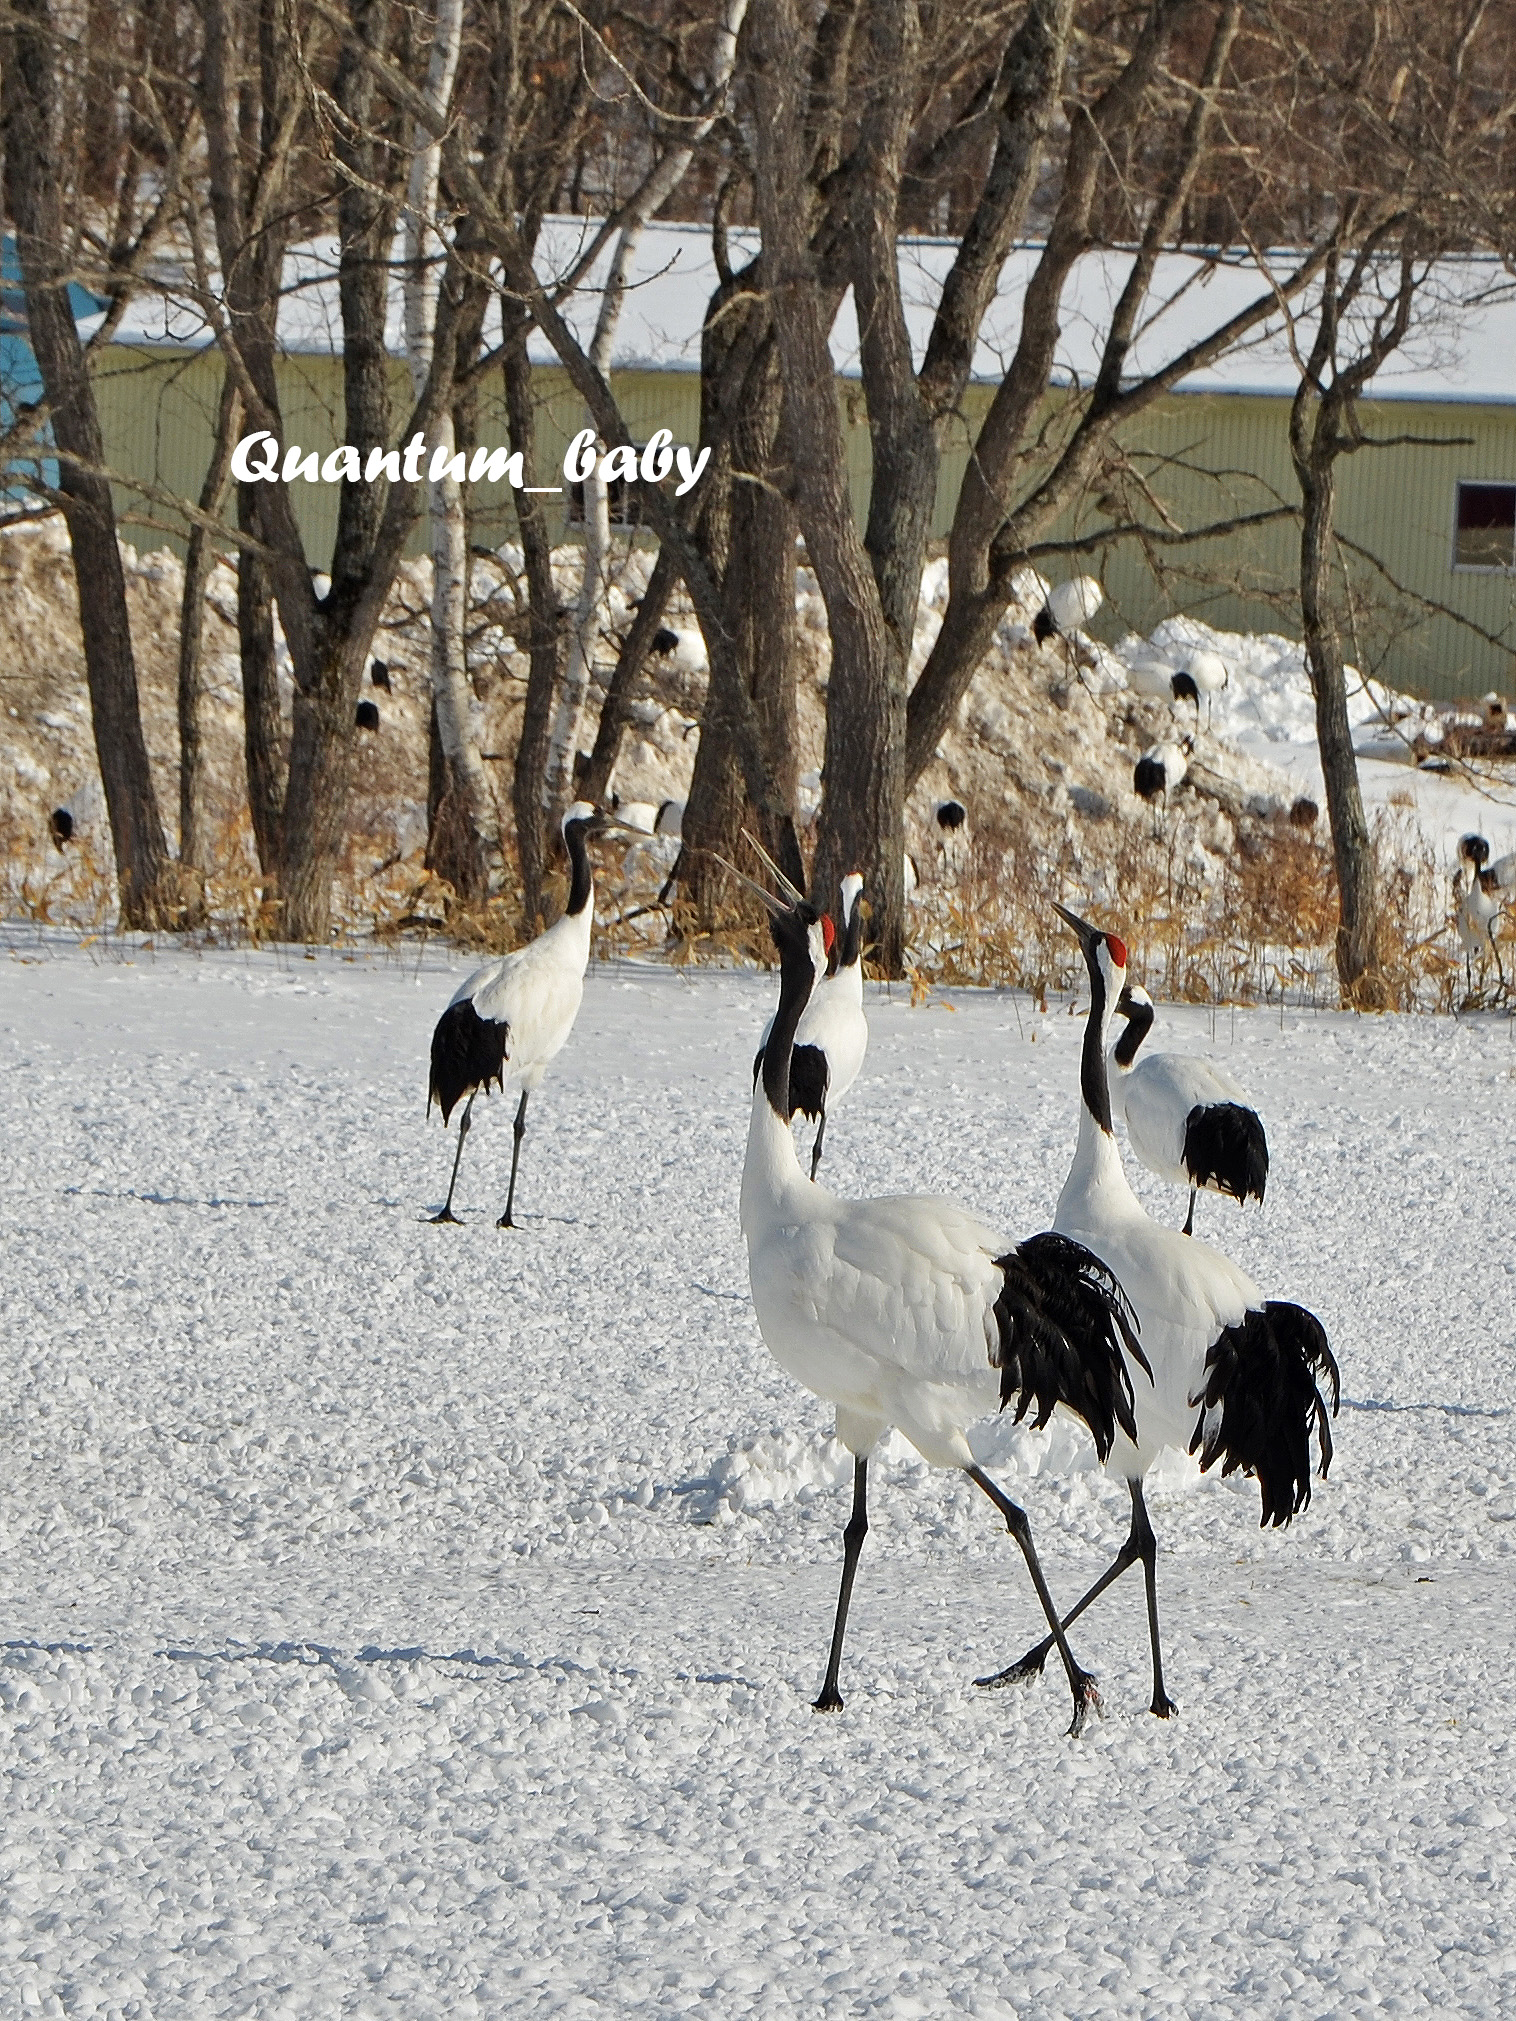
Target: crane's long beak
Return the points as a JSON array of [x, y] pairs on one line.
[[779, 910], [795, 897], [1082, 929], [606, 824]]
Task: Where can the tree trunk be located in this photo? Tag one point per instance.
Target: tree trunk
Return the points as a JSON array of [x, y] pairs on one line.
[[262, 719], [1358, 967], [628, 670], [468, 854], [147, 881], [545, 640], [199, 561], [862, 824], [320, 777], [755, 559]]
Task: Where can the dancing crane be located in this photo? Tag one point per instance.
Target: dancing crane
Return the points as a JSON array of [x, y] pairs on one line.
[[1185, 1119], [514, 1015], [834, 1034], [1235, 1377], [913, 1313]]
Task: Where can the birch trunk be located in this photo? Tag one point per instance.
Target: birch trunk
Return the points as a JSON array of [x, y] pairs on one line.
[[468, 801], [199, 560]]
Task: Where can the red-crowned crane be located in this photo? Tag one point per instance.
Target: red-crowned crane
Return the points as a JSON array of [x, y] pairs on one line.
[[1235, 1376], [1159, 770], [912, 1313], [834, 1034], [1068, 607], [514, 1015], [1490, 884], [1185, 1119]]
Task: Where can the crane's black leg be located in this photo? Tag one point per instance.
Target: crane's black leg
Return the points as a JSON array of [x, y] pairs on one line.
[[1189, 1219], [852, 1543], [1147, 1544], [447, 1213], [518, 1131], [1140, 1543], [816, 1147], [1081, 1682]]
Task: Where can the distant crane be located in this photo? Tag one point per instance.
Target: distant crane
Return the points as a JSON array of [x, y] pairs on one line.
[[1236, 1378], [1159, 770], [514, 1015], [1207, 674], [1068, 607], [911, 1312], [1185, 1120], [834, 1034], [1479, 905]]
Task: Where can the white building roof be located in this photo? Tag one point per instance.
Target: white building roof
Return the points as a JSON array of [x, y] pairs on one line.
[[1464, 348]]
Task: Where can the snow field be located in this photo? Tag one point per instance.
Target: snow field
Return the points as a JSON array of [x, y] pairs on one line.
[[423, 1621]]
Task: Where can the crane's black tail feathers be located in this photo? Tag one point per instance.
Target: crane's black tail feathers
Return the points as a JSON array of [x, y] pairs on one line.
[[1262, 1400], [1226, 1150], [808, 1080], [1063, 1321], [468, 1052]]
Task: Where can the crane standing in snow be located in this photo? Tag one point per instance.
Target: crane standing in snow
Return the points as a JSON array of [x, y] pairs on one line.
[[911, 1312], [513, 1015], [1479, 905], [1070, 605], [834, 1034], [1235, 1377], [1185, 1119]]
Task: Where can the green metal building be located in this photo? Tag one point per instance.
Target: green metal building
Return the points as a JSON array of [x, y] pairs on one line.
[[1431, 599]]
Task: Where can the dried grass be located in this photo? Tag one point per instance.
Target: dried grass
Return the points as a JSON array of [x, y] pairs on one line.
[[1263, 932]]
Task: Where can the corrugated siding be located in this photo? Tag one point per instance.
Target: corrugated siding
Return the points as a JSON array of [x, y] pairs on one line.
[[1207, 457]]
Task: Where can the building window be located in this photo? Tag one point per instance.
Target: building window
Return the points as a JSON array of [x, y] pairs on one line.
[[624, 500], [1485, 528]]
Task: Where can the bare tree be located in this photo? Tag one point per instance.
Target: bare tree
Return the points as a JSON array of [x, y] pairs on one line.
[[1405, 125], [465, 809], [45, 80], [328, 636]]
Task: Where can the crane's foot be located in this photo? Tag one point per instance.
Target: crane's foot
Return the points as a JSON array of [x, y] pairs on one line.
[[1023, 1672], [1163, 1707], [446, 1215], [831, 1700], [505, 1220], [1086, 1701]]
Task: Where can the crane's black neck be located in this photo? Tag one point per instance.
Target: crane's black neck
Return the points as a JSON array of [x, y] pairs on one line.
[[1139, 1022], [1094, 1083], [579, 857], [852, 939], [797, 978]]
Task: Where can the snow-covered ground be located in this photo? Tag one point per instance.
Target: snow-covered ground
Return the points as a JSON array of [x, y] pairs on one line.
[[417, 1621]]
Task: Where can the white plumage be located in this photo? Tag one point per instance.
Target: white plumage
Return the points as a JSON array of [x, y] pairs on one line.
[[1159, 770], [1479, 902], [1148, 674], [1186, 1119], [514, 1015], [1068, 606], [833, 1035], [911, 1311], [1234, 1376]]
